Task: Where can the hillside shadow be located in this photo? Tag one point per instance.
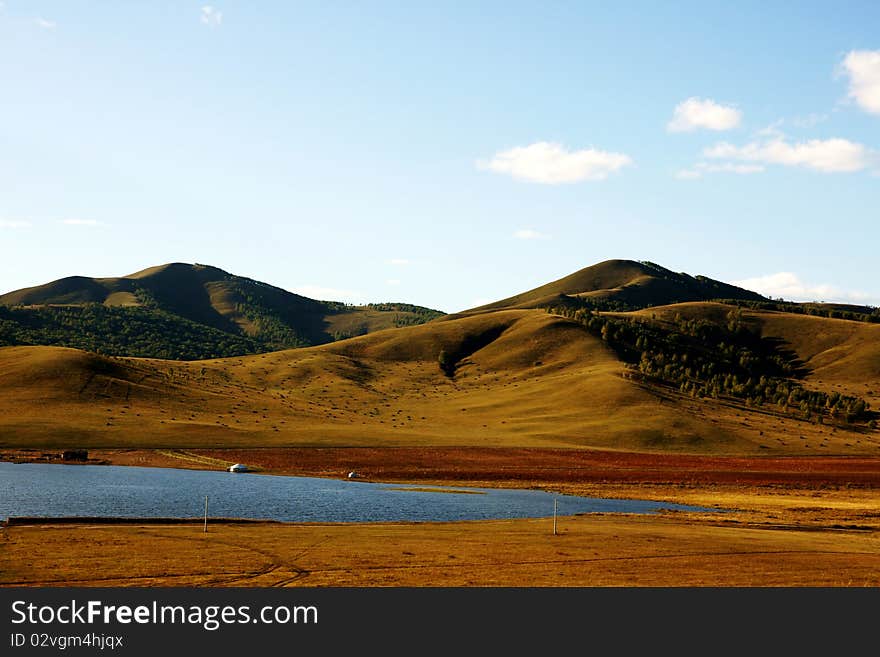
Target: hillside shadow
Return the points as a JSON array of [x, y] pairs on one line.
[[468, 346], [780, 348]]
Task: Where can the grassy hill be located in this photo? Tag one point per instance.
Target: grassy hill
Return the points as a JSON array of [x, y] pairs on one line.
[[695, 376], [623, 284], [520, 378], [183, 311]]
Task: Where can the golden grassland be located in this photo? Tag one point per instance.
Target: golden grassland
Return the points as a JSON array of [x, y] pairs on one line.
[[533, 380]]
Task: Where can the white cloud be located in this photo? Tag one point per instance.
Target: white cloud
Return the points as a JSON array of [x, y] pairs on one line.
[[688, 174], [863, 69], [529, 234], [211, 16], [393, 281], [400, 262], [46, 25], [698, 113], [7, 223], [826, 155], [328, 293], [790, 287], [551, 164], [81, 222]]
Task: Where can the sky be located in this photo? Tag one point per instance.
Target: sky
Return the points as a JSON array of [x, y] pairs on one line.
[[446, 154]]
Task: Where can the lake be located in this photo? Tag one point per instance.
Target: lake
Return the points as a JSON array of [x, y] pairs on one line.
[[55, 490]]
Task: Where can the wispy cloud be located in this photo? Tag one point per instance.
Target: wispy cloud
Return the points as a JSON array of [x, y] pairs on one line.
[[825, 155], [701, 168], [9, 223], [703, 114], [45, 24], [529, 234], [791, 287], [729, 167], [772, 131], [552, 164], [809, 120], [862, 67], [211, 16], [801, 122], [399, 262], [328, 293], [81, 222], [393, 281]]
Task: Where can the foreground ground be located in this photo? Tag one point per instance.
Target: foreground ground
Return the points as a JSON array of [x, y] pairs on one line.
[[793, 522], [590, 550]]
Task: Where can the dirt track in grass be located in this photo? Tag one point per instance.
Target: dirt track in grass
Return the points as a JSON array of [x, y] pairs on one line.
[[591, 550]]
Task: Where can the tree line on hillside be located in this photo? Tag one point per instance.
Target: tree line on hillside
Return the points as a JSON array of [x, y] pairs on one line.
[[120, 331], [871, 316], [272, 331], [867, 314], [705, 359], [407, 314], [150, 331]]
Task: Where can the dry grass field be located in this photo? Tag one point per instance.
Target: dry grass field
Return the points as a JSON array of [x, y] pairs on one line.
[[590, 550], [526, 379]]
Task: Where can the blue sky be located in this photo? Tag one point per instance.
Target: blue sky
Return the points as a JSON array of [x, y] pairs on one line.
[[442, 153]]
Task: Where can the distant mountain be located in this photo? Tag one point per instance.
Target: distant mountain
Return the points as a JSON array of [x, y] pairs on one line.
[[186, 311], [625, 285], [183, 311]]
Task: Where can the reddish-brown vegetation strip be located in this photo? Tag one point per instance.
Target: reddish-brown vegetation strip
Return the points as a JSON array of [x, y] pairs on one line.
[[557, 465]]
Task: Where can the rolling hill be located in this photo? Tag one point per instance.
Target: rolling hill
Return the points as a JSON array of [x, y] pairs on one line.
[[693, 377], [522, 378], [183, 311], [624, 284]]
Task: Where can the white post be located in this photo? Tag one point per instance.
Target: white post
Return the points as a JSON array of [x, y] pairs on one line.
[[206, 514], [554, 516]]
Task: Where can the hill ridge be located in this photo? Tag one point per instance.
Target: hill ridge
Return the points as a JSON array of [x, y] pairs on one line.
[[630, 284], [188, 311]]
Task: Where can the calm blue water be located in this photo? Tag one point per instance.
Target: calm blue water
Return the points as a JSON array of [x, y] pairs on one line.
[[50, 490]]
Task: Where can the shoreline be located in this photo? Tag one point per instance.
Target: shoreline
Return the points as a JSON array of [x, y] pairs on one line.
[[776, 491]]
